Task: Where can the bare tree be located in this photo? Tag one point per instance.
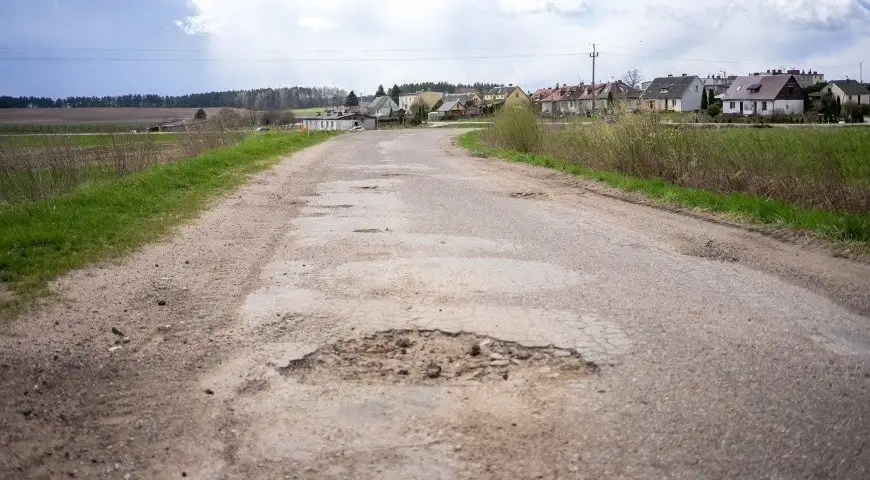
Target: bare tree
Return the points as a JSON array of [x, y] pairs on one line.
[[633, 78]]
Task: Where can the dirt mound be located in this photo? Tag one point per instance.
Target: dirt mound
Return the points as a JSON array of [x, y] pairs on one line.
[[410, 357]]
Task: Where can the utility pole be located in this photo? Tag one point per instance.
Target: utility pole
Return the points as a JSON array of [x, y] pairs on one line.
[[593, 55], [861, 71]]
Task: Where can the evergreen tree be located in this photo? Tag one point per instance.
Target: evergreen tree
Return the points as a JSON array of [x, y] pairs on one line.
[[705, 102], [380, 92], [838, 109], [352, 100], [610, 99], [711, 98], [395, 92], [200, 115]]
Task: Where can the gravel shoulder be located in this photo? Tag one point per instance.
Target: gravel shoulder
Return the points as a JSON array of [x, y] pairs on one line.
[[297, 325]]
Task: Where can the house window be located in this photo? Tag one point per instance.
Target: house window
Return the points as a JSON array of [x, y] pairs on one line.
[[673, 103], [732, 106], [791, 89], [764, 106], [850, 98], [696, 88]]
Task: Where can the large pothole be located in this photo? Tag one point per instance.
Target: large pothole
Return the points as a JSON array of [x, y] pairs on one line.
[[432, 357]]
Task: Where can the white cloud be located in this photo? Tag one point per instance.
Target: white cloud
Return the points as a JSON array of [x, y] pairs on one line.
[[196, 25], [316, 24], [527, 42]]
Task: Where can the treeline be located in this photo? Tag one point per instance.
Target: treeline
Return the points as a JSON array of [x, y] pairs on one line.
[[258, 99], [446, 87]]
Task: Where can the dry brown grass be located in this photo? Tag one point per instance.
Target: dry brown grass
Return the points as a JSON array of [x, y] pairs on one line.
[[57, 164]]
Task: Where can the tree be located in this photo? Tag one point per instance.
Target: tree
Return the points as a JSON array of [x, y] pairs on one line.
[[633, 78], [705, 102], [395, 92], [229, 119], [352, 100], [838, 108], [380, 92], [711, 98], [714, 110], [199, 115], [419, 110], [610, 99]]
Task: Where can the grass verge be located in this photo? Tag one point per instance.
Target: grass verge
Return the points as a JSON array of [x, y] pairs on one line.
[[43, 239], [853, 228]]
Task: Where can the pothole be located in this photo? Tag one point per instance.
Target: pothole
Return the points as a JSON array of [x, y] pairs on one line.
[[434, 357], [528, 195], [368, 230], [712, 250]]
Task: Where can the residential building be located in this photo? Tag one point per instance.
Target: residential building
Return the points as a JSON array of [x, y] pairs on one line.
[[805, 78], [382, 107], [344, 121], [848, 91], [678, 94], [509, 95], [596, 98], [451, 109], [718, 83], [763, 95], [561, 101], [471, 101], [540, 95], [429, 98]]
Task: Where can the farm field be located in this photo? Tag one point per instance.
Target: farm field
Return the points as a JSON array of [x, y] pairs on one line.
[[96, 116], [302, 112]]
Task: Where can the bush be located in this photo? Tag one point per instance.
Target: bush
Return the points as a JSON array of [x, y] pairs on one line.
[[419, 111], [714, 110], [516, 128], [199, 115]]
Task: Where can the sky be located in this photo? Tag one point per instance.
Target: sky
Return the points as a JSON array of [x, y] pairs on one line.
[[108, 47]]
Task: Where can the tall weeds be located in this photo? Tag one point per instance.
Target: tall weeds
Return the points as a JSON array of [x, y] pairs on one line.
[[49, 165], [824, 168]]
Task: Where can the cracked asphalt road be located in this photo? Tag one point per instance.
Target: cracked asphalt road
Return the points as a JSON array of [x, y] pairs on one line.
[[718, 352]]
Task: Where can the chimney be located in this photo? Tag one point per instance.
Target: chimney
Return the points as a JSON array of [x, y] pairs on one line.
[[510, 84], [670, 75], [684, 74]]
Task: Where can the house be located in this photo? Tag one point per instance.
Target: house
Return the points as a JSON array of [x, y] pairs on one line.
[[470, 101], [451, 109], [540, 95], [678, 94], [382, 107], [343, 121], [805, 78], [718, 83], [509, 95], [597, 97], [848, 91], [763, 95], [429, 98]]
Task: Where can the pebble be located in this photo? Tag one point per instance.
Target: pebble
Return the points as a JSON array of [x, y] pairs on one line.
[[403, 343], [522, 354], [209, 391], [475, 350], [115, 348], [402, 371], [434, 371], [117, 331], [125, 340], [161, 302]]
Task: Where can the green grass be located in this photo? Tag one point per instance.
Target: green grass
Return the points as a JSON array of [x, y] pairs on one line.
[[839, 226], [43, 239], [306, 112], [95, 140]]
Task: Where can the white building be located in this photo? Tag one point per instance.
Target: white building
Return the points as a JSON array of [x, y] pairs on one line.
[[848, 91], [763, 95], [382, 107], [676, 94], [339, 122]]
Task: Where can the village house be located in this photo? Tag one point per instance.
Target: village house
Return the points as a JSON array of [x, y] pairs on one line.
[[848, 91], [718, 83], [452, 109], [677, 94], [471, 102], [509, 95], [597, 97], [763, 95], [382, 107], [341, 121], [429, 98]]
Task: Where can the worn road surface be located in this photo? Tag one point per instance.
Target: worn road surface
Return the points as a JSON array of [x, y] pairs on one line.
[[385, 306]]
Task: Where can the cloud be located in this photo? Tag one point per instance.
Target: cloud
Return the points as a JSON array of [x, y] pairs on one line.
[[196, 25], [316, 24], [527, 42]]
